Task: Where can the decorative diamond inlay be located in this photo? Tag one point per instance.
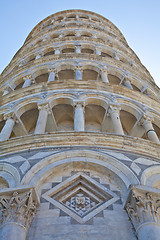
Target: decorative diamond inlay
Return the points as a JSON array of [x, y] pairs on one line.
[[81, 197], [80, 203]]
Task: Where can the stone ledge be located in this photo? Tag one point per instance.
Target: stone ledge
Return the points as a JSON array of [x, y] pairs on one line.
[[89, 139], [80, 84]]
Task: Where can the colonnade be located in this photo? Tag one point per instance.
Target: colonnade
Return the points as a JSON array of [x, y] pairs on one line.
[[78, 49], [79, 120], [103, 73]]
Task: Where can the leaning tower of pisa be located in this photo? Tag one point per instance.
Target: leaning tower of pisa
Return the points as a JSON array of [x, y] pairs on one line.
[[79, 141]]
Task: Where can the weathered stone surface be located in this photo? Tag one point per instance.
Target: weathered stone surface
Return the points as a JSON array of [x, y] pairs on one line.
[[79, 125]]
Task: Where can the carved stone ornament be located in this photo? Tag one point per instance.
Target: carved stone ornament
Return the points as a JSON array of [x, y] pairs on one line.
[[143, 205], [18, 206]]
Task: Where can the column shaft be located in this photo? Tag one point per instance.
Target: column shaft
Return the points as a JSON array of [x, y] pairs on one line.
[[57, 51], [150, 132], [38, 56], [79, 118], [128, 84], [78, 74], [78, 49], [5, 92], [51, 76], [117, 126], [13, 231], [7, 129], [27, 83], [150, 231], [116, 57], [104, 76], [41, 122], [98, 52]]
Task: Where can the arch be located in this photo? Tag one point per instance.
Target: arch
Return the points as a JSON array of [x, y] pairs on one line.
[[66, 74], [90, 72], [62, 99], [151, 176], [54, 35], [26, 105], [131, 107], [48, 52], [2, 123], [96, 101], [115, 75], [69, 34], [94, 115], [38, 173], [29, 117], [68, 49], [64, 117], [86, 49], [42, 78], [70, 17], [19, 83], [10, 175]]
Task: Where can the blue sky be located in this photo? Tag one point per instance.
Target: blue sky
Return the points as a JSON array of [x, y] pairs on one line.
[[139, 21]]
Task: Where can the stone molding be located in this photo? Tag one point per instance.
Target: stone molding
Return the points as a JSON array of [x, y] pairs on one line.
[[72, 84], [143, 205], [18, 206], [61, 139]]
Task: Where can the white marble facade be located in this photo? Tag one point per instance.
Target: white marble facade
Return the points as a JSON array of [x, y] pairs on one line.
[[79, 135]]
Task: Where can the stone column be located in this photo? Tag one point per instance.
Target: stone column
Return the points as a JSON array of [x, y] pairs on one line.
[[98, 52], [79, 116], [8, 127], [142, 206], [146, 122], [57, 51], [114, 113], [78, 73], [128, 84], [27, 81], [42, 118], [78, 34], [39, 55], [5, 91], [78, 49], [104, 75], [52, 74], [115, 56], [22, 62], [18, 209]]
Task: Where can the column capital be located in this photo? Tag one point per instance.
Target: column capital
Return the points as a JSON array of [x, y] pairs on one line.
[[29, 76], [52, 70], [113, 107], [146, 118], [78, 103], [77, 45], [19, 206], [142, 205], [80, 68], [9, 115], [44, 106], [103, 70]]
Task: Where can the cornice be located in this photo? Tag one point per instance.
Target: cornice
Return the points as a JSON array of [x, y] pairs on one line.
[[87, 139]]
